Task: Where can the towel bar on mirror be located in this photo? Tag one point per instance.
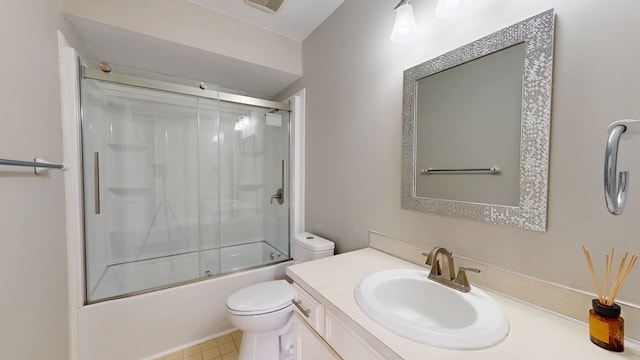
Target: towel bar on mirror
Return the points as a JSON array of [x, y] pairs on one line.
[[616, 184], [494, 170]]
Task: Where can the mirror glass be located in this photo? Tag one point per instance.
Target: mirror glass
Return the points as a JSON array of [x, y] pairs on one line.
[[476, 128]]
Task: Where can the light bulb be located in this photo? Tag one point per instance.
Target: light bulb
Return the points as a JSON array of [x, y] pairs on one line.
[[405, 24]]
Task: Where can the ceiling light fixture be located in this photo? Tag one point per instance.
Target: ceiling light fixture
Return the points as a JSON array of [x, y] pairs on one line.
[[404, 28]]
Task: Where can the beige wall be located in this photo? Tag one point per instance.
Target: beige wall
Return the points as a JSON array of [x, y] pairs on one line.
[[185, 23], [353, 79], [33, 263]]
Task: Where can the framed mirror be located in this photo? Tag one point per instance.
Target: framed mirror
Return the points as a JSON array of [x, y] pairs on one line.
[[476, 120]]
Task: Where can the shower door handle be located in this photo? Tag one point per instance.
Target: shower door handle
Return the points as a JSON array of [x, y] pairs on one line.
[[96, 181], [279, 195]]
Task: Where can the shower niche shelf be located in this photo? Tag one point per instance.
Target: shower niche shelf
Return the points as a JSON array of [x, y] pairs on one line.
[[130, 190], [128, 146]]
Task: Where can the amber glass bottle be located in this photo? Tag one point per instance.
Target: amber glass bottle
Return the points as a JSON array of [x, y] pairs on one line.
[[606, 327]]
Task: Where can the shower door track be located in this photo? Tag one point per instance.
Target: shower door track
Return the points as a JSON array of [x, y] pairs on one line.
[[179, 283], [198, 91]]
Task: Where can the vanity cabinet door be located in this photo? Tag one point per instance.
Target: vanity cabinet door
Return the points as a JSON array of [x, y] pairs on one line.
[[308, 344], [345, 342]]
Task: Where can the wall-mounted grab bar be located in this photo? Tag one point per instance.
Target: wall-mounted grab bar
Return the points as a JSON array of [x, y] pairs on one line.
[[494, 170], [37, 164], [616, 184]]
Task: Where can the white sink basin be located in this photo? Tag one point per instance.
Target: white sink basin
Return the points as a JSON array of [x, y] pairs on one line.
[[407, 303]]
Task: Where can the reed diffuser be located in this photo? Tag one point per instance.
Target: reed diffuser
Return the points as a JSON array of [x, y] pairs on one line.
[[606, 326]]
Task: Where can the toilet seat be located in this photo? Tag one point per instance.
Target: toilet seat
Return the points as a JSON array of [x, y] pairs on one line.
[[262, 298]]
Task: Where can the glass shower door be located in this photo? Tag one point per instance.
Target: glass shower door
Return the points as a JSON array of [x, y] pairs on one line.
[[254, 153], [141, 170], [179, 188]]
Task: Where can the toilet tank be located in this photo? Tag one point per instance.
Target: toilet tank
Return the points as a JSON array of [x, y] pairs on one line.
[[307, 247]]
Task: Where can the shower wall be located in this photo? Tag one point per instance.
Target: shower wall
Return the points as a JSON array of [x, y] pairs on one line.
[[170, 181]]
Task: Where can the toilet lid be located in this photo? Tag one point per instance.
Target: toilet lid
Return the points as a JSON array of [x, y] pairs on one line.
[[262, 297]]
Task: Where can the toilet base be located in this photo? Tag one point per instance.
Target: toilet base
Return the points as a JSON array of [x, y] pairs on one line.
[[273, 345], [260, 346]]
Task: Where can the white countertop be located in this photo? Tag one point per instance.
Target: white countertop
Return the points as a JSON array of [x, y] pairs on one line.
[[534, 334]]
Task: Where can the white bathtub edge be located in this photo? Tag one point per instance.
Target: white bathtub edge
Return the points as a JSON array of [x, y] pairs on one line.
[[163, 321]]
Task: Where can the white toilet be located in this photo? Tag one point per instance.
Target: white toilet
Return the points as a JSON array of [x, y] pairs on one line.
[[264, 311]]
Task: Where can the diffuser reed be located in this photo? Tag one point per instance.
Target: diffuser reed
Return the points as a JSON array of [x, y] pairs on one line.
[[606, 327], [618, 280]]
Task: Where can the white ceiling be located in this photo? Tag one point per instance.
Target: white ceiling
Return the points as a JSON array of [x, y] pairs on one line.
[[296, 18], [102, 42]]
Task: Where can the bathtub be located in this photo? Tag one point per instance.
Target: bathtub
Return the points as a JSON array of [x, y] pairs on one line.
[[152, 324]]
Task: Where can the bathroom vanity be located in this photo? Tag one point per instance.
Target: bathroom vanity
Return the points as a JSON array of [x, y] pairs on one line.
[[319, 334], [330, 325]]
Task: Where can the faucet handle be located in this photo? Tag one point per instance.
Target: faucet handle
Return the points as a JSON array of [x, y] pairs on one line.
[[434, 263], [462, 279]]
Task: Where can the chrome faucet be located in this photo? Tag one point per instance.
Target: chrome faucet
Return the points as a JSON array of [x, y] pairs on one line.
[[459, 282]]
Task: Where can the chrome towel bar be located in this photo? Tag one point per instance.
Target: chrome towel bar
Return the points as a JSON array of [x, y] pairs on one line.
[[37, 164], [494, 170], [616, 184]]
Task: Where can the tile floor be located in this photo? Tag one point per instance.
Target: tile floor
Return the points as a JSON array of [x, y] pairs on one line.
[[222, 348]]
